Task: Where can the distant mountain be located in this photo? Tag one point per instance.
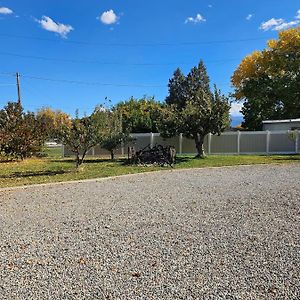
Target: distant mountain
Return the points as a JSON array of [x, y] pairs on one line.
[[236, 120]]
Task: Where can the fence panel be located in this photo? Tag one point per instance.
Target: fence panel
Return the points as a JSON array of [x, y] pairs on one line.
[[167, 142], [281, 142], [189, 147], [256, 142], [226, 143], [253, 142]]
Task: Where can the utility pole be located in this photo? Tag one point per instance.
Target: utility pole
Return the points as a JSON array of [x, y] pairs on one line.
[[18, 87]]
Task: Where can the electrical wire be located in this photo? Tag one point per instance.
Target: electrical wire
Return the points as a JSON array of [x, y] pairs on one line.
[[109, 63], [147, 44], [90, 83]]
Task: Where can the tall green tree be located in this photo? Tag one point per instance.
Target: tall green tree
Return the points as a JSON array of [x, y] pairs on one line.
[[192, 109], [140, 115], [268, 81], [176, 91]]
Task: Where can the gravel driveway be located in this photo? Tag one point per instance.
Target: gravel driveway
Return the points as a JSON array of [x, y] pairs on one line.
[[228, 233]]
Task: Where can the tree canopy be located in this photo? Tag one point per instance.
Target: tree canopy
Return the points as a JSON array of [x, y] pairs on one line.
[[84, 133], [192, 109], [21, 133], [268, 81], [116, 136], [139, 115], [53, 121]]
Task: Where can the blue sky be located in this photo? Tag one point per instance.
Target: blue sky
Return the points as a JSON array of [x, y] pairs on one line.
[[132, 45]]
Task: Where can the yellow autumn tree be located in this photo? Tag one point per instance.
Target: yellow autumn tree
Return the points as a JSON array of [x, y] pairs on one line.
[[268, 81], [53, 120]]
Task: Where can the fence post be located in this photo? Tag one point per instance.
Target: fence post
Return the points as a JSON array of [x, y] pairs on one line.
[[151, 140], [268, 142], [93, 151], [62, 150], [122, 148], [180, 143], [238, 142], [297, 141], [209, 143]]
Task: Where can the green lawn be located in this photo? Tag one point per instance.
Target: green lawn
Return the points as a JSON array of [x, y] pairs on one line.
[[55, 169]]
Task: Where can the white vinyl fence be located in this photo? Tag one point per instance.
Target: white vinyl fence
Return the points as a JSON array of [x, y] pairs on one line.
[[239, 142]]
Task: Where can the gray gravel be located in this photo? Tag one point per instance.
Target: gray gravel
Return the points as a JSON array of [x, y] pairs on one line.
[[228, 233]]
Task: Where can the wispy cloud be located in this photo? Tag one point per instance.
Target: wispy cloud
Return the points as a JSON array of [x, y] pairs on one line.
[[210, 5], [48, 24], [198, 19], [108, 17], [5, 11], [286, 25], [249, 17], [280, 24], [271, 24]]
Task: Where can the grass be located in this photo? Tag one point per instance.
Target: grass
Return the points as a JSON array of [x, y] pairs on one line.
[[55, 169]]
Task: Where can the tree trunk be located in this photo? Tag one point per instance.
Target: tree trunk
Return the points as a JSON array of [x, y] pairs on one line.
[[199, 140], [83, 156], [77, 160], [112, 154]]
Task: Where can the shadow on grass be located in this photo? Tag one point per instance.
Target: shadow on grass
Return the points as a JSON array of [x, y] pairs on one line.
[[86, 161], [179, 160], [183, 159], [288, 158], [33, 174], [6, 161]]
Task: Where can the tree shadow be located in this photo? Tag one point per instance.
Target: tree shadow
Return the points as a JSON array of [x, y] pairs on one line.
[[179, 160], [288, 158], [33, 174], [6, 161], [91, 160], [183, 159], [72, 161]]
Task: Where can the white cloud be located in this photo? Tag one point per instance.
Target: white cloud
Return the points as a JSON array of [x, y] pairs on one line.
[[5, 11], [48, 24], [271, 24], [249, 17], [280, 24], [285, 25], [195, 20], [236, 109], [108, 17]]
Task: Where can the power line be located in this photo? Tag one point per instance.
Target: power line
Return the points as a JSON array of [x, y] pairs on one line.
[[80, 82], [91, 83], [109, 63], [7, 74], [147, 44]]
